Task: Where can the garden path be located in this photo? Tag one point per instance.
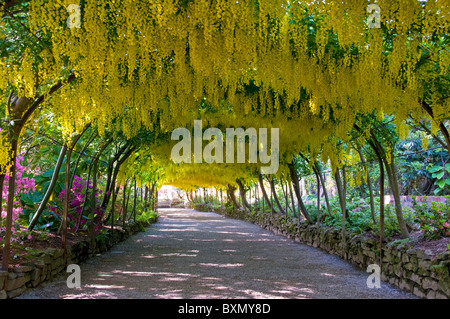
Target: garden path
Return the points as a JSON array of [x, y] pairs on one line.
[[190, 254]]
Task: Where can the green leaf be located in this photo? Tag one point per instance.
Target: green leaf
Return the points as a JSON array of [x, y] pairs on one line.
[[435, 169], [441, 183], [447, 167], [48, 173], [439, 175]]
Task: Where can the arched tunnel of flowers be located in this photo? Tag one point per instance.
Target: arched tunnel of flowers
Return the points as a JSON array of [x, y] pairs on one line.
[[315, 110]]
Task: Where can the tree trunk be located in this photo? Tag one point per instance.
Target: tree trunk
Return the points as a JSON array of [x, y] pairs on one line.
[[263, 189], [2, 182], [380, 162], [343, 204], [75, 166], [67, 187], [113, 208], [296, 213], [393, 182], [391, 171], [242, 193], [109, 185], [10, 206], [124, 202], [275, 196], [51, 187], [295, 184], [135, 199], [232, 197], [286, 200], [369, 182], [114, 177], [318, 198], [324, 188]]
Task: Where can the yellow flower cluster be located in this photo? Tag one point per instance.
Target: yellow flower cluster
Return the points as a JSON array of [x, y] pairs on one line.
[[143, 63]]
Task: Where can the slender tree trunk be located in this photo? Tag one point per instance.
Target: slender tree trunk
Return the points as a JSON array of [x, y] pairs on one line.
[[393, 182], [113, 208], [295, 184], [243, 196], [286, 200], [2, 182], [318, 198], [50, 189], [10, 206], [75, 166], [93, 206], [135, 199], [391, 171], [380, 162], [232, 197], [109, 185], [85, 201], [68, 190], [342, 201], [369, 182], [296, 213], [124, 202], [263, 189], [324, 188], [114, 177], [275, 196]]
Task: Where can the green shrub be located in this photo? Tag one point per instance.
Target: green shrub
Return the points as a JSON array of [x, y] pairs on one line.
[[433, 220], [148, 216]]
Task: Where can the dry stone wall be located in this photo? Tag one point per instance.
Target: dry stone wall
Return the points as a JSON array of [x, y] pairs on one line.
[[47, 264]]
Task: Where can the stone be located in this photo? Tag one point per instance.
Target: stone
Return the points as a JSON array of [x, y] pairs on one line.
[[431, 294], [3, 294], [419, 292], [428, 283], [15, 283], [405, 285], [39, 263], [405, 258], [416, 278], [424, 265], [440, 295], [36, 274], [411, 266], [16, 292], [12, 275], [3, 275], [424, 254], [24, 268]]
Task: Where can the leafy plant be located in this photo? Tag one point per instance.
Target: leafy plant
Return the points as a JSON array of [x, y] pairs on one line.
[[442, 179], [148, 216], [433, 220]]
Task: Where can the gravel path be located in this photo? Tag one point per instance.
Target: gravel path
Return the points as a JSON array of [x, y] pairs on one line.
[[189, 254]]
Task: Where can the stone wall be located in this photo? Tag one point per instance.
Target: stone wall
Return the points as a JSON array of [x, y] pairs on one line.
[[409, 269], [47, 264]]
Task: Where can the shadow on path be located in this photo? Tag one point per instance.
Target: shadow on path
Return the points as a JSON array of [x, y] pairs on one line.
[[192, 255]]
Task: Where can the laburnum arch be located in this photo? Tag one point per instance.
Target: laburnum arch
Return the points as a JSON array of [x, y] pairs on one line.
[[313, 69]]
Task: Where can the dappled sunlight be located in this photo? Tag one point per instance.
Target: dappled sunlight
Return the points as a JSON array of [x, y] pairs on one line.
[[105, 287], [177, 261], [219, 265]]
